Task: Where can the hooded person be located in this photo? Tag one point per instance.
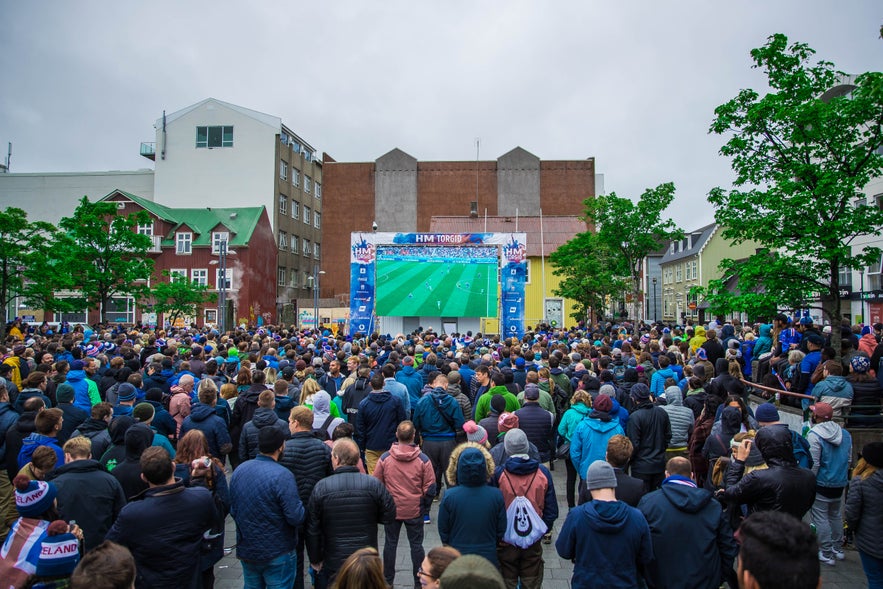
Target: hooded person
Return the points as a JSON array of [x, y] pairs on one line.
[[606, 539], [507, 424], [764, 342], [718, 443], [681, 419], [490, 423], [834, 389], [323, 421], [138, 438], [73, 415], [589, 440], [472, 514], [117, 451]]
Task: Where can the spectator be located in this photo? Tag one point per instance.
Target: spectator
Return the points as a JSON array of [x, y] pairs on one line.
[[580, 407], [42, 463], [73, 415], [777, 551], [95, 428], [324, 420], [606, 539], [629, 490], [407, 474], [649, 430], [376, 420], [489, 423], [472, 515], [263, 417], [437, 417], [204, 418], [179, 404], [108, 566], [833, 389], [537, 423], [362, 570], [434, 565], [689, 527], [471, 571], [138, 438], [681, 420], [267, 509], [47, 424], [864, 511], [16, 434], [865, 409]]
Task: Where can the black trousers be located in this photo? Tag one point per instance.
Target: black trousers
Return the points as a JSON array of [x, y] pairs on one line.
[[414, 528], [439, 453]]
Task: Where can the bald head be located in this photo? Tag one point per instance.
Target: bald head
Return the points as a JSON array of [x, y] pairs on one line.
[[679, 466], [345, 452]]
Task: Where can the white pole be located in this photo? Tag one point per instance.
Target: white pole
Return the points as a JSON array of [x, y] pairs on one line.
[[543, 262]]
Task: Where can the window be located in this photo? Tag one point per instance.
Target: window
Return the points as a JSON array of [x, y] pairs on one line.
[[178, 275], [307, 184], [219, 237], [845, 278], [146, 230], [294, 239], [318, 190], [306, 248], [295, 209], [229, 281], [307, 215], [283, 204], [874, 277], [692, 272], [283, 240], [183, 243], [280, 275], [199, 276], [878, 200], [214, 136], [292, 279], [283, 170], [679, 270], [317, 220], [295, 178], [316, 251]]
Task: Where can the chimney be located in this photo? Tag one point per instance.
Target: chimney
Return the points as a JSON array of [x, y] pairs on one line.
[[690, 241], [473, 209]]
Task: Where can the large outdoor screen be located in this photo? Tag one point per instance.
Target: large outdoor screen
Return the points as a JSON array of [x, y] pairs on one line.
[[436, 281]]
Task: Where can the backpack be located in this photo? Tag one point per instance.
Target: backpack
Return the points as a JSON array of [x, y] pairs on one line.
[[524, 526], [321, 432], [560, 399], [801, 450]]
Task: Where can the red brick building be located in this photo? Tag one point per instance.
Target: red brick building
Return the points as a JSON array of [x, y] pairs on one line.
[[400, 194]]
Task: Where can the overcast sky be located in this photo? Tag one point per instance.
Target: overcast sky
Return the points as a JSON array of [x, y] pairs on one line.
[[632, 84]]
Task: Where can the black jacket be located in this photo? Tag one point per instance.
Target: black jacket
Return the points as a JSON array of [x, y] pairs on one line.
[[243, 411], [90, 495], [73, 417], [14, 437], [650, 432], [783, 486], [688, 527], [96, 431], [344, 511], [379, 415], [537, 424], [309, 459], [864, 512], [629, 490], [163, 531], [248, 440]]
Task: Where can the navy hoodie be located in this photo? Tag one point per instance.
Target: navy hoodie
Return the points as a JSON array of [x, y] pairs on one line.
[[379, 415]]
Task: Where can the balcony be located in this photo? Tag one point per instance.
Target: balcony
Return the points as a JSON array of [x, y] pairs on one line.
[[148, 150]]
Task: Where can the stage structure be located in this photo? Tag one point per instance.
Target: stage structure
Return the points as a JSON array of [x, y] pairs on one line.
[[406, 279]]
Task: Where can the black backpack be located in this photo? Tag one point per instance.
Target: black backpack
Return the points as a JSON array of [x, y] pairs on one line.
[[321, 432]]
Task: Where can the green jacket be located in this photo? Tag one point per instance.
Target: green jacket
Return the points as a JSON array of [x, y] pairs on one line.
[[483, 406], [546, 401], [571, 419]]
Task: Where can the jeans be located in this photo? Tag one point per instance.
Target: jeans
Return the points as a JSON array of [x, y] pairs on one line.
[[572, 480], [826, 515], [275, 574], [873, 570], [414, 528]]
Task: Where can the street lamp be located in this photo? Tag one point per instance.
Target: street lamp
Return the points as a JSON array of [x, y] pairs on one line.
[[655, 319], [223, 252], [315, 277]]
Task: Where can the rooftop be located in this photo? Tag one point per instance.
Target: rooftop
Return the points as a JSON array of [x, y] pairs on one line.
[[555, 230]]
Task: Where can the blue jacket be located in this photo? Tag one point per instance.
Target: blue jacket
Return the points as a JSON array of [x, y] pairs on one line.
[[204, 418], [472, 515], [8, 418], [607, 540], [163, 420], [409, 377], [267, 508], [688, 527], [379, 415], [428, 419], [657, 381], [589, 442], [34, 441], [831, 449], [77, 379]]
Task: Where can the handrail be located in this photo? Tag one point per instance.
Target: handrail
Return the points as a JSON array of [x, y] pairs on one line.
[[777, 391]]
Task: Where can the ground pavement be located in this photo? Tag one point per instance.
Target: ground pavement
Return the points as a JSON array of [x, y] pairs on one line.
[[228, 574]]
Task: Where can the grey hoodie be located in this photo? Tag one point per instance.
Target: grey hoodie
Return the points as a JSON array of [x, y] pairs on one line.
[[680, 417]]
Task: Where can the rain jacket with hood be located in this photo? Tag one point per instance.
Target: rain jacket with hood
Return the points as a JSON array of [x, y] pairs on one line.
[[680, 417], [322, 411], [128, 472], [831, 449], [116, 453], [34, 441], [688, 527], [248, 439], [835, 391], [589, 441], [472, 515], [657, 381], [96, 431], [379, 415], [764, 341], [698, 339], [205, 419], [428, 419], [783, 486], [606, 540], [85, 390], [409, 377], [407, 474], [571, 420], [483, 403]]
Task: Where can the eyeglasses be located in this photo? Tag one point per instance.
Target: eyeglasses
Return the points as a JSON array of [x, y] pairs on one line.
[[423, 573]]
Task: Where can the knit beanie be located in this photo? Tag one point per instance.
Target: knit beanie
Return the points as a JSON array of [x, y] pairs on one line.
[[603, 403], [64, 393], [471, 571], [126, 391], [515, 443], [506, 422], [59, 551], [498, 404], [33, 498], [600, 476], [474, 432], [766, 413], [143, 412]]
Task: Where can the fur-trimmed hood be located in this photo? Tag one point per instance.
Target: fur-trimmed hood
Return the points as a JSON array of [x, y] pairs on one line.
[[455, 461]]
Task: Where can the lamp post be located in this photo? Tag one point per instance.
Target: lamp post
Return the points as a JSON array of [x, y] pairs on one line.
[[222, 294], [315, 277], [654, 300]]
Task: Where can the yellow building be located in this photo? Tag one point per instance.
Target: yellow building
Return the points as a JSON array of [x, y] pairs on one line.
[[544, 235]]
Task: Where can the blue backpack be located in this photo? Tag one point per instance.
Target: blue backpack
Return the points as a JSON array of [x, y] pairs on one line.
[[801, 450]]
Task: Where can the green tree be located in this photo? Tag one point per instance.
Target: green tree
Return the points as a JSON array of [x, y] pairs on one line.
[[101, 255], [588, 270], [22, 244], [632, 230], [176, 296], [801, 154]]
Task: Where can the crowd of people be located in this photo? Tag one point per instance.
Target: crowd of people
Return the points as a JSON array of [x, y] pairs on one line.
[[126, 450]]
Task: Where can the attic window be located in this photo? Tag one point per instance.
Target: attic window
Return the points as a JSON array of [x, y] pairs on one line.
[[214, 136], [219, 237]]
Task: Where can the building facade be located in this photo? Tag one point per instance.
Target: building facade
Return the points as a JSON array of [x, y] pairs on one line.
[[399, 193], [217, 154]]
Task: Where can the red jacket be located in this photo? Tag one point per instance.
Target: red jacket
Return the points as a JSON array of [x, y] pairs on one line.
[[408, 475]]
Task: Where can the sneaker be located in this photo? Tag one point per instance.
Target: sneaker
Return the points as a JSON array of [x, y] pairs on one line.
[[824, 560], [426, 520], [838, 554], [547, 538]]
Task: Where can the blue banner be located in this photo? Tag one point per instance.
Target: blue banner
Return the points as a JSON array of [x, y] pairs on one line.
[[514, 274], [362, 261]]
